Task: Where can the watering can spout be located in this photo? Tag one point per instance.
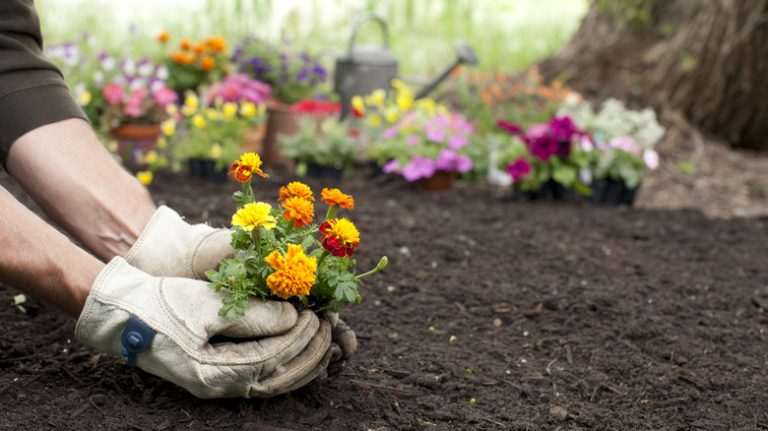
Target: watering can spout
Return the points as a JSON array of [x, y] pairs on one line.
[[464, 55]]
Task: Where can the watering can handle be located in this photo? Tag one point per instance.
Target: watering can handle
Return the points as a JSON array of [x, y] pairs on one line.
[[363, 20]]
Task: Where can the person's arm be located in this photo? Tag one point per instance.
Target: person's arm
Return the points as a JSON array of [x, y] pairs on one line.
[[38, 260]]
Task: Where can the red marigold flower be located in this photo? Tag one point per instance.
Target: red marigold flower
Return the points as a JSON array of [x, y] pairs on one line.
[[247, 165], [340, 237]]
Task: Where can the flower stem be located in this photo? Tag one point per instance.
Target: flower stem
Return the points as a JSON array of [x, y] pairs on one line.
[[322, 258], [331, 212], [383, 262]]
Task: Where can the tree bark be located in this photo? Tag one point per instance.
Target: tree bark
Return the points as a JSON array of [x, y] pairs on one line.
[[705, 58]]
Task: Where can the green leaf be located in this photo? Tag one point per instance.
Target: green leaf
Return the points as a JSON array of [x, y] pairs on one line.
[[565, 175], [307, 243]]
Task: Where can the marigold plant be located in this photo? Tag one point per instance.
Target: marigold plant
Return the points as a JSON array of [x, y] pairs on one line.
[[283, 253]]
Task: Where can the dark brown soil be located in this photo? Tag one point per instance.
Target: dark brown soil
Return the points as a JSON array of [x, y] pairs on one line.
[[549, 316]]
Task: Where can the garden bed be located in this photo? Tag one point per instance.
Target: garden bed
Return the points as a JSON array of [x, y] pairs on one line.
[[546, 315]]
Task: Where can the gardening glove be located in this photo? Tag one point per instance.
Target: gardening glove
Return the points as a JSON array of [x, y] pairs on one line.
[[164, 326], [343, 336], [171, 247]]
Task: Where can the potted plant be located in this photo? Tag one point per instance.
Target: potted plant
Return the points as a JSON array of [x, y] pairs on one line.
[[209, 137], [294, 76], [193, 64], [240, 88], [552, 162], [621, 150], [323, 148]]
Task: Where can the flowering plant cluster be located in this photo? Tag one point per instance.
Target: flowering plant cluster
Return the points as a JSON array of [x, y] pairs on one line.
[[239, 88], [192, 64], [215, 132], [380, 110], [550, 151], [623, 140], [293, 76], [282, 253]]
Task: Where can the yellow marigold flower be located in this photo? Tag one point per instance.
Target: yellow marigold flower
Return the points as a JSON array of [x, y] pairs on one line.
[[442, 110], [340, 237], [168, 127], [427, 105], [162, 142], [84, 98], [172, 109], [253, 216], [358, 105], [216, 152], [192, 101], [113, 146], [198, 121], [151, 157], [400, 86], [145, 177], [376, 98], [247, 109], [404, 101], [247, 165], [212, 114], [335, 197], [294, 273], [374, 120], [392, 115], [229, 109], [295, 189], [298, 210]]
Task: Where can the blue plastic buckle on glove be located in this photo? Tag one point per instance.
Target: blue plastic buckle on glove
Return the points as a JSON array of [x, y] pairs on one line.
[[136, 338]]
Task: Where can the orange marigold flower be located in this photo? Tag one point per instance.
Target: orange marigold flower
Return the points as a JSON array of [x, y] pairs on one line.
[[340, 237], [298, 210], [185, 44], [295, 189], [335, 197], [207, 63], [178, 57], [216, 44], [164, 36], [247, 165], [199, 48], [294, 273]]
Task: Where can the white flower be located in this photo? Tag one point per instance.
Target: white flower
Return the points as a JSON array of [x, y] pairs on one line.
[[651, 159], [162, 72]]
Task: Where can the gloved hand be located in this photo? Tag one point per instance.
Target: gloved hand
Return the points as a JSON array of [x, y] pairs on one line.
[[171, 247], [285, 349]]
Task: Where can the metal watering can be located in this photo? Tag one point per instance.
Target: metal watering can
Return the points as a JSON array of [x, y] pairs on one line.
[[366, 68]]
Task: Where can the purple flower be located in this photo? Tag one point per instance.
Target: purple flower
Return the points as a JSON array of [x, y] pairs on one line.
[[519, 169], [418, 168], [457, 141], [391, 166], [449, 161], [390, 133], [435, 134]]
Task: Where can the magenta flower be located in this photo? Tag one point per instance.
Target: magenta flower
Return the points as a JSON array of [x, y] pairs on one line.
[[450, 161], [239, 87], [519, 169], [390, 166], [458, 141], [418, 168], [511, 128], [113, 93]]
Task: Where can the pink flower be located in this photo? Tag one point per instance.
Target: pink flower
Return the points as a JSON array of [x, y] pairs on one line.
[[133, 105], [651, 159], [113, 93], [509, 127], [519, 169], [449, 161], [418, 168], [164, 96], [626, 144], [413, 140], [458, 141], [390, 166]]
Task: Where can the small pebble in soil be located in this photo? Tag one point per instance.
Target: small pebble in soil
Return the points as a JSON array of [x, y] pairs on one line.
[[469, 370], [433, 264], [497, 322], [525, 333], [431, 328], [390, 288], [558, 412], [405, 251], [391, 203], [472, 401], [452, 339]]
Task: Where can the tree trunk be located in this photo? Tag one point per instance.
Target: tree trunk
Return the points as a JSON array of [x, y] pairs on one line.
[[705, 58]]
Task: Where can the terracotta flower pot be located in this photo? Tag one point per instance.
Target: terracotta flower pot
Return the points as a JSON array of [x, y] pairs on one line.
[[281, 121], [135, 139], [440, 181]]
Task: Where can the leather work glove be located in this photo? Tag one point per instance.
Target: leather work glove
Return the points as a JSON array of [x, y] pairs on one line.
[[164, 326], [171, 247]]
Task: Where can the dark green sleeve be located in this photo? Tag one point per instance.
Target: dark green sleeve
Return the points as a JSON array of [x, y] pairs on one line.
[[32, 90]]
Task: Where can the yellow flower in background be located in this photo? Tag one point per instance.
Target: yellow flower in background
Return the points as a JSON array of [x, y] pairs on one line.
[[168, 127], [84, 98], [172, 109], [247, 109], [392, 115], [358, 105], [151, 157], [113, 146], [192, 101], [374, 120], [294, 273], [428, 106], [442, 110], [216, 151], [404, 101], [162, 142], [212, 114], [400, 86], [376, 98], [145, 177], [253, 216], [198, 121], [229, 109]]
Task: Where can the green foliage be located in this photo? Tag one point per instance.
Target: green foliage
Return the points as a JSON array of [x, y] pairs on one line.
[[620, 166], [320, 141]]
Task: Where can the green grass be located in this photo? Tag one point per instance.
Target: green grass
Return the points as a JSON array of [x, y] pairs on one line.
[[507, 34]]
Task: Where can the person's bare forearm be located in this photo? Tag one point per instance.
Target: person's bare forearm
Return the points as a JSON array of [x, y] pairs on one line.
[[81, 187], [40, 261]]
